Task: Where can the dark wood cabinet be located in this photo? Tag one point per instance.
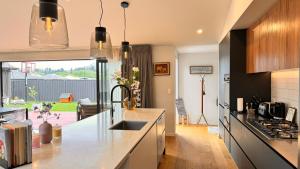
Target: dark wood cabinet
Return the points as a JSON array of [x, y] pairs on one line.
[[273, 42]]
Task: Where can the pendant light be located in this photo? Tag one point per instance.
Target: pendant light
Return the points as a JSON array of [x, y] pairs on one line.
[[126, 49], [48, 26], [101, 47]]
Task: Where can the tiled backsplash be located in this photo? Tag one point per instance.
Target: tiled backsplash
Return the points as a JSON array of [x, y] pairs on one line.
[[285, 87]]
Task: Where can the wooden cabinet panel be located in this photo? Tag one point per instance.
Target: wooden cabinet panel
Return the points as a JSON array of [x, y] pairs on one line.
[[250, 66], [273, 42], [293, 34]]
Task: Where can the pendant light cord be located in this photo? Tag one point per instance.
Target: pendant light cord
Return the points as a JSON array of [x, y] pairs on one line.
[[125, 22], [101, 6]]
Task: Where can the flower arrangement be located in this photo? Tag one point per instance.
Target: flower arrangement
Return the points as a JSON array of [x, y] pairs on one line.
[[132, 82], [45, 113]]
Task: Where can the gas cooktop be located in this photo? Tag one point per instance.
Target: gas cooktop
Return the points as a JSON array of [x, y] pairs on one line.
[[275, 129]]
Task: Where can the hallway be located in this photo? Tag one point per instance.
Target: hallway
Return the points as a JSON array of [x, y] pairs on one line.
[[195, 148]]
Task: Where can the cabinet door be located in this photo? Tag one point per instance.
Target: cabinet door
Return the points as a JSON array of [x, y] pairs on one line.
[[250, 66], [221, 130], [239, 157], [144, 155], [274, 42], [260, 154], [224, 65], [221, 113], [293, 34], [227, 139]]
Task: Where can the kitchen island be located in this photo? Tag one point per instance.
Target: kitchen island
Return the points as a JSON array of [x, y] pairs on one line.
[[91, 144]]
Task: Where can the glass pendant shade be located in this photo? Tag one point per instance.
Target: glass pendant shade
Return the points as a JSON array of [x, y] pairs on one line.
[[101, 47], [125, 51], [48, 26]]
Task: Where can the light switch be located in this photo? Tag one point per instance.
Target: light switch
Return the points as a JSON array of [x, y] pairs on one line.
[[169, 91]]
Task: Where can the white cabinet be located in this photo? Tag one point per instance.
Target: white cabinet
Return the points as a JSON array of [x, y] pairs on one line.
[[161, 134], [144, 155], [124, 164]]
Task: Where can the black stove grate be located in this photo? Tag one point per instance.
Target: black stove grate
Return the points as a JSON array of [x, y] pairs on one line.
[[275, 129]]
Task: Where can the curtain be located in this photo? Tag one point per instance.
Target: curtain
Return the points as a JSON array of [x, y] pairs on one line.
[[141, 57]]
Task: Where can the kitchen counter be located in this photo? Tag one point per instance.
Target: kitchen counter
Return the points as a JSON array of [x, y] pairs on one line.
[[286, 148], [89, 144]]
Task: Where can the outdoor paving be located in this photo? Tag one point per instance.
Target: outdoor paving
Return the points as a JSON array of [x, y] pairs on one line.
[[65, 119]]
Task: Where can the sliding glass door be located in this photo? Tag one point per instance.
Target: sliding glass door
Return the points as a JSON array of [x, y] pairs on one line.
[[102, 85]]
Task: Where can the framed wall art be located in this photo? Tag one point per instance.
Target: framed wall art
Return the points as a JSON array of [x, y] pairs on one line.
[[201, 69], [161, 68]]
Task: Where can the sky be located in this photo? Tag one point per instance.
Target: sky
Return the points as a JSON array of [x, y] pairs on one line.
[[66, 65]]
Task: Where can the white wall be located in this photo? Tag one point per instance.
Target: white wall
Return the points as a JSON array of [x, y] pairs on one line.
[[236, 9], [285, 87], [190, 86], [164, 86]]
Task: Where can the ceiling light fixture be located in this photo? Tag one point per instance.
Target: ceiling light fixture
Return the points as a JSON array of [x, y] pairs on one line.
[[199, 31], [125, 48], [48, 26], [101, 47]]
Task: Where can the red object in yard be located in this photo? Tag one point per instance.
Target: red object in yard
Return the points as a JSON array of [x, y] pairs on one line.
[[66, 98]]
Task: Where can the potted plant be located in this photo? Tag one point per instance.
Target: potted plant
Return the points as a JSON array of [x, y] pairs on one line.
[[132, 83], [45, 129]]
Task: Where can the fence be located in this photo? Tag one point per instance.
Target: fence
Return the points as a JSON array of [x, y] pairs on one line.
[[50, 90]]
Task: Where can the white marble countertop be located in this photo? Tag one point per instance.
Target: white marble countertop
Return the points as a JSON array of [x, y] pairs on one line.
[[89, 144]]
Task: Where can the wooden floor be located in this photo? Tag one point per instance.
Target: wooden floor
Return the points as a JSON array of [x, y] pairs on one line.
[[194, 147]]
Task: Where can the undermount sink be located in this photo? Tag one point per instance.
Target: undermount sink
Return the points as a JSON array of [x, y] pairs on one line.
[[129, 125]]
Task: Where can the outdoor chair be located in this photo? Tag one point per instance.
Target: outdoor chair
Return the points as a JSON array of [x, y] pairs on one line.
[[85, 108], [182, 115]]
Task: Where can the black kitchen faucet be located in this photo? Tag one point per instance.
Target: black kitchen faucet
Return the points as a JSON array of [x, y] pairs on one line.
[[112, 99]]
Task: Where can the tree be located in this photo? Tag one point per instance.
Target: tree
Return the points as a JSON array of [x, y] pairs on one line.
[[32, 93]]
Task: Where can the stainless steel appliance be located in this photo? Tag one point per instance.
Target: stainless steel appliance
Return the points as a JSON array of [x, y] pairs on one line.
[[275, 110], [274, 128], [264, 109], [226, 105]]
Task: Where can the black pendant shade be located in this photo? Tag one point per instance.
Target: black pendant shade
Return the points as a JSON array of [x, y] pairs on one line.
[[100, 34], [125, 50], [101, 47], [125, 46], [48, 9]]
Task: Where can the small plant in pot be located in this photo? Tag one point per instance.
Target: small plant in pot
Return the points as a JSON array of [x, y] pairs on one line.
[[45, 129]]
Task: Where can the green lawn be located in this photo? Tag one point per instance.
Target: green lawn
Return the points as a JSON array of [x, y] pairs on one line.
[[57, 107]]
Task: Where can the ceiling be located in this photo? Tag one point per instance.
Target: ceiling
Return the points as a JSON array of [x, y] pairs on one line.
[[157, 22]]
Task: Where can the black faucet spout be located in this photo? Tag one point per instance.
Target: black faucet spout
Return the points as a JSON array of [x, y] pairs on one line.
[[121, 86], [113, 101]]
